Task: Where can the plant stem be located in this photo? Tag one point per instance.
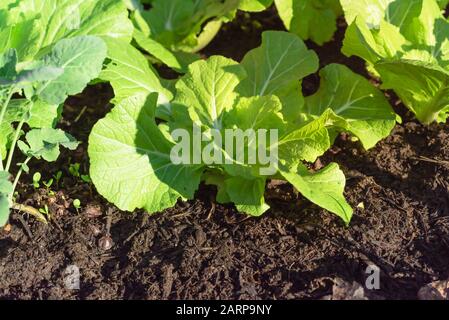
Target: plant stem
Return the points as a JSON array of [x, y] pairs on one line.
[[2, 116], [17, 135], [30, 210], [16, 180], [13, 144]]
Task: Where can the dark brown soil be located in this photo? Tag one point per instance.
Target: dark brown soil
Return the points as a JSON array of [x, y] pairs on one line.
[[296, 251]]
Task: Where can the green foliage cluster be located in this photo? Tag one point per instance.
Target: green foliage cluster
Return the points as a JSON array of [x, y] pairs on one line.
[[52, 49]]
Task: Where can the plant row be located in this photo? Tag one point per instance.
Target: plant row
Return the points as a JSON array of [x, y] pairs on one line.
[[50, 50]]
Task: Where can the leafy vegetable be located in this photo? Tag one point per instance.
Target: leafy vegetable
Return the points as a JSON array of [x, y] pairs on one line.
[[173, 30], [406, 43], [131, 151], [48, 51], [315, 20]]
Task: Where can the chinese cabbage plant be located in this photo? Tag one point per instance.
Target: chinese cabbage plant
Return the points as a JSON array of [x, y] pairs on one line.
[[172, 31], [49, 50], [312, 19], [131, 149], [315, 20], [407, 44]]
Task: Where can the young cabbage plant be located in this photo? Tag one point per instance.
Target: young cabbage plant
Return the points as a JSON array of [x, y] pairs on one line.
[[172, 31], [315, 20], [139, 161], [407, 44], [32, 96], [48, 51]]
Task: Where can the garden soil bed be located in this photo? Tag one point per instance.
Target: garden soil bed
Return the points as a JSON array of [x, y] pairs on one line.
[[203, 250]]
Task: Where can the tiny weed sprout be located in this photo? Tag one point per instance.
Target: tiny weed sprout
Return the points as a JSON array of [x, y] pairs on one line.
[[131, 150], [48, 183], [77, 204], [45, 211], [44, 58], [57, 177], [406, 43], [36, 180], [86, 178], [74, 170]]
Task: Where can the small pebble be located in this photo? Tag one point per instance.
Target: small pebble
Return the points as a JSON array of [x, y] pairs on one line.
[[95, 230], [93, 211], [105, 243]]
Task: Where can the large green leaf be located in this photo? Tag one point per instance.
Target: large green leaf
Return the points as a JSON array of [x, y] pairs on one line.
[[363, 109], [422, 87], [282, 58], [129, 74], [324, 188], [56, 20], [277, 67], [315, 20], [207, 90], [81, 58], [130, 159]]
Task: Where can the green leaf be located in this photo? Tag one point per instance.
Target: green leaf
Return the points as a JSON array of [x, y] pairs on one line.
[[81, 58], [46, 142], [315, 20], [307, 142], [8, 62], [40, 74], [277, 67], [130, 159], [257, 114], [370, 11], [207, 90], [282, 58], [42, 114], [129, 74], [254, 5], [363, 109], [324, 188], [373, 44], [71, 18], [177, 61], [422, 87], [251, 201], [167, 18]]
